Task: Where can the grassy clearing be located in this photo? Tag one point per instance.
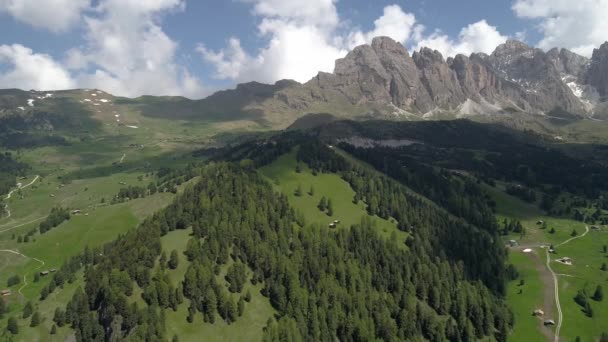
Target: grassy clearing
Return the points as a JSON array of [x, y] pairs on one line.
[[283, 176], [247, 327], [587, 256], [525, 302]]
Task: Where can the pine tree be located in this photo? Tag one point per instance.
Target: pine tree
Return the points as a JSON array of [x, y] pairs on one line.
[[330, 208], [574, 233], [12, 326], [604, 337], [163, 259], [604, 267], [552, 230], [28, 309], [605, 248], [36, 277], [298, 191], [322, 204], [173, 260], [248, 296], [175, 338], [35, 319], [598, 295], [588, 310], [311, 192], [3, 307], [53, 329], [241, 306]]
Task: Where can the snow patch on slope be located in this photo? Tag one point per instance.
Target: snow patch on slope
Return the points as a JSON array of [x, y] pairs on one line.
[[587, 94]]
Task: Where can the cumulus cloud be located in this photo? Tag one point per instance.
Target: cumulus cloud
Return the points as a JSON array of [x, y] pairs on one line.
[[304, 37], [476, 37], [577, 25], [54, 15], [130, 53], [29, 70], [394, 23], [307, 36], [126, 52]]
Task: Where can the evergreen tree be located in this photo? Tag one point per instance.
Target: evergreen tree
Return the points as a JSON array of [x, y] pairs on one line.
[[604, 337], [35, 319], [248, 296], [163, 259], [3, 308], [574, 233], [588, 310], [322, 204], [36, 277], [173, 260], [28, 309], [12, 326], [604, 267], [241, 306], [330, 208], [598, 295], [53, 329], [605, 248], [298, 191], [311, 191], [552, 230]]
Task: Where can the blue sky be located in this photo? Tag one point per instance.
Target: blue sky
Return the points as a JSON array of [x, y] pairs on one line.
[[192, 48]]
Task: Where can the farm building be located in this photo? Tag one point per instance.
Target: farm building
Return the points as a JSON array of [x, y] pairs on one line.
[[332, 225], [5, 293], [76, 212], [538, 312], [549, 322], [513, 243], [43, 273], [565, 260]]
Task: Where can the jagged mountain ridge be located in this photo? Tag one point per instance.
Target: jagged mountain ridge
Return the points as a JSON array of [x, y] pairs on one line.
[[382, 80]]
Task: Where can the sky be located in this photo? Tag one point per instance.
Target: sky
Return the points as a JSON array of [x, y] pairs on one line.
[[193, 48]]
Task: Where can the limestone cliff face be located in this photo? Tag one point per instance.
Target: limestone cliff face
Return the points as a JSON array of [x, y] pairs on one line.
[[514, 76], [597, 76]]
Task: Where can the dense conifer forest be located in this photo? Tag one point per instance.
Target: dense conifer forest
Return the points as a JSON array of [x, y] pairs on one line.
[[349, 284]]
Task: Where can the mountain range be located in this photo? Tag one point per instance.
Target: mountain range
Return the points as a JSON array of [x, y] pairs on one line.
[[383, 80]]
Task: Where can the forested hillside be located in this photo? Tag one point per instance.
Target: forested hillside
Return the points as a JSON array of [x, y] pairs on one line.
[[348, 284]]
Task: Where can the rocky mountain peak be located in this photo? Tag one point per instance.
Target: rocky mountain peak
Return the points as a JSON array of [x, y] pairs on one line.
[[598, 71], [513, 47]]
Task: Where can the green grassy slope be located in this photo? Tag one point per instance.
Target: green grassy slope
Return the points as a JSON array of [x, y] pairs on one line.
[[282, 174], [585, 272]]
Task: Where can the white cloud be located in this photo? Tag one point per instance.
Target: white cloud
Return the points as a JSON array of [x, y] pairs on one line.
[[126, 52], [394, 23], [129, 51], [54, 15], [29, 70], [307, 36], [310, 12], [304, 37], [476, 37], [578, 25]]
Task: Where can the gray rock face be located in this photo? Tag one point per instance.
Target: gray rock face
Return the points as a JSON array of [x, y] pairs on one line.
[[598, 71], [515, 75], [383, 78]]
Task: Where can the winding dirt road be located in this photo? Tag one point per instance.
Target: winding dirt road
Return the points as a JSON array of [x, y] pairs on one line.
[[560, 316], [17, 226], [27, 257], [11, 193]]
